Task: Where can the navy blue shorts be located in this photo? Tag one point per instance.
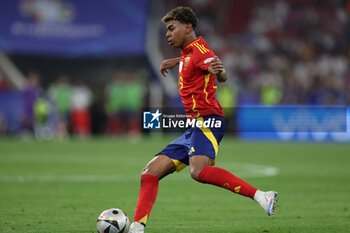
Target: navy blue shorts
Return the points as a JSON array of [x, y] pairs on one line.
[[201, 139]]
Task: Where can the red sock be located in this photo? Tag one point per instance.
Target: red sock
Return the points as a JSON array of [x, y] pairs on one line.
[[147, 197], [222, 178]]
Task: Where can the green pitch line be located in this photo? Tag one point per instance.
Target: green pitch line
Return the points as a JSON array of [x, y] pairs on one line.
[[244, 170]]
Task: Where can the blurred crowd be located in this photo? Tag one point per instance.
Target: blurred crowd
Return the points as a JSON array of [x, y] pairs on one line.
[[278, 51], [72, 108]]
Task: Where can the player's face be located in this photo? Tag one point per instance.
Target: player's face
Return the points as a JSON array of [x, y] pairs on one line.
[[176, 33]]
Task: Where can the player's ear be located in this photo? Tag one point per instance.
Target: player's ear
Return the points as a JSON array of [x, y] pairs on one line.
[[189, 28]]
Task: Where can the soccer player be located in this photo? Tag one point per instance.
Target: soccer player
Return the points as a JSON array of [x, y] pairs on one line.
[[199, 69]]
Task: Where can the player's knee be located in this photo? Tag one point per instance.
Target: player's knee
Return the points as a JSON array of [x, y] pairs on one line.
[[195, 173], [147, 171], [150, 170], [144, 170]]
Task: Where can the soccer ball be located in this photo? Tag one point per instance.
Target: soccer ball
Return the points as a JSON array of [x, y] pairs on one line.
[[113, 221]]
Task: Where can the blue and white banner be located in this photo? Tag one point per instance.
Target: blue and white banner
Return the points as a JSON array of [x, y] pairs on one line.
[[73, 27], [294, 123]]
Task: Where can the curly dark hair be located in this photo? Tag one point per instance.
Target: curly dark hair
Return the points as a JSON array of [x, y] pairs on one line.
[[182, 14]]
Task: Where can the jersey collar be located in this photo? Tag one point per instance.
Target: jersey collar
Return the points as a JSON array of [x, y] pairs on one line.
[[185, 50]]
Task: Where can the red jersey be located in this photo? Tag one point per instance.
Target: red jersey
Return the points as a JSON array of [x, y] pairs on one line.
[[196, 84]]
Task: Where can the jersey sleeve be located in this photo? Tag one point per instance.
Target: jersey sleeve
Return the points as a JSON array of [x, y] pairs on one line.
[[202, 56]]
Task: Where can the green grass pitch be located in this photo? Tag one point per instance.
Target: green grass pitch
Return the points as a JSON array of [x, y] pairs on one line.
[[63, 186]]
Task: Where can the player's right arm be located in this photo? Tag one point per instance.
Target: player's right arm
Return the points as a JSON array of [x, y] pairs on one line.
[[168, 64]]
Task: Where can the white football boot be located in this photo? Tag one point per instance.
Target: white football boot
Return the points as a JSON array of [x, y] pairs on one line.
[[267, 200], [136, 227]]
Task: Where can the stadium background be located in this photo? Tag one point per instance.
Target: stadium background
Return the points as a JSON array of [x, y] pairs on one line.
[[74, 69]]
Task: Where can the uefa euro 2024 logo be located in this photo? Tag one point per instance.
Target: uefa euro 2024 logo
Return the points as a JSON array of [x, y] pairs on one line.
[[151, 120]]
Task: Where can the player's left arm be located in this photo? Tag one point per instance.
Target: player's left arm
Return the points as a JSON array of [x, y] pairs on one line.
[[217, 69]]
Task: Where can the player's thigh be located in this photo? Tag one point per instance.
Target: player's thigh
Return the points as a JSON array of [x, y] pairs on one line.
[[159, 166], [197, 163]]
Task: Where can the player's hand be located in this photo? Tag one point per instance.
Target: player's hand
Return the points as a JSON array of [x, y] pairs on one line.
[[216, 66], [217, 69], [168, 64]]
